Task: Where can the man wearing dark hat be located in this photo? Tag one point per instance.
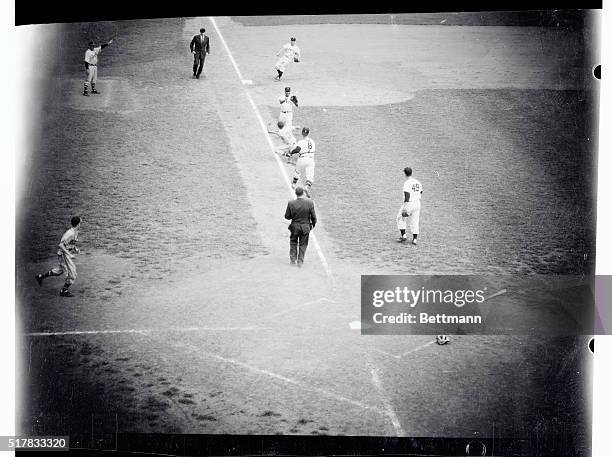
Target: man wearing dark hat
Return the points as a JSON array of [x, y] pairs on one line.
[[301, 213], [199, 46]]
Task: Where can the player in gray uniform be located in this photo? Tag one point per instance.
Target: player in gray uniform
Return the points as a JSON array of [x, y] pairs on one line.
[[66, 253], [91, 66]]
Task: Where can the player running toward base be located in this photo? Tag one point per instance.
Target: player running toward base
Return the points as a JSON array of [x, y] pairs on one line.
[[287, 53], [305, 166], [410, 211], [66, 251], [91, 66]]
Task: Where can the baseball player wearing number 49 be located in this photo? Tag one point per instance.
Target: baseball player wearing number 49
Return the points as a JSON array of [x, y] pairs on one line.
[[410, 211], [91, 66]]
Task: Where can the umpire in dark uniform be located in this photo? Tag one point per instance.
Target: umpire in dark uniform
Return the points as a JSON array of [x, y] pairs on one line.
[[301, 213], [199, 46]]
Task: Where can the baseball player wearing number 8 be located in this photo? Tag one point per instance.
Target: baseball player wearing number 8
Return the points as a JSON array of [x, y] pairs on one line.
[[91, 66], [305, 166], [410, 211]]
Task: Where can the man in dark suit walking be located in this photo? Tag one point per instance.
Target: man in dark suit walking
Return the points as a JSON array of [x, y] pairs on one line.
[[199, 48], [301, 213]]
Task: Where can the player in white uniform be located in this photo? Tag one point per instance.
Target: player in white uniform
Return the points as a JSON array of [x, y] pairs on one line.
[[410, 211], [285, 132], [91, 66], [305, 166], [287, 102], [66, 251], [287, 53]]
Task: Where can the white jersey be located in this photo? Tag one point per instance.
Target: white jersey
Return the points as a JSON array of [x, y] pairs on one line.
[[307, 145], [286, 105], [414, 188], [289, 51], [287, 135], [91, 57]]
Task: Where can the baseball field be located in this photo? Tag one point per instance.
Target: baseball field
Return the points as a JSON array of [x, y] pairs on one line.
[[188, 318]]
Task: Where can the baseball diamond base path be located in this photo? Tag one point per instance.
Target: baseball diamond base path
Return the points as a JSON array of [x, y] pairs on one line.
[[188, 317]]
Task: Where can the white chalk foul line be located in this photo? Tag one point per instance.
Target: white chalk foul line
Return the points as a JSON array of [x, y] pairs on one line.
[[313, 237], [412, 351], [418, 348], [390, 412], [387, 353], [200, 352], [304, 305], [140, 331]]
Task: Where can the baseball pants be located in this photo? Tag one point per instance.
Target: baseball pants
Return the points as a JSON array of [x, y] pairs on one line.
[[66, 266], [92, 74], [412, 221], [282, 63], [287, 118], [304, 169]]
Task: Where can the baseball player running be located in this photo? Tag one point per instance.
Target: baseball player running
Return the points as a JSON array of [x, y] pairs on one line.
[[410, 211], [305, 166], [67, 247], [287, 102], [287, 53], [91, 66]]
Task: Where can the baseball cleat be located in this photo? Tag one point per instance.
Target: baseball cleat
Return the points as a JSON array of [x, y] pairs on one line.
[[95, 91], [86, 94], [292, 262], [65, 293], [414, 241], [39, 279], [401, 239]]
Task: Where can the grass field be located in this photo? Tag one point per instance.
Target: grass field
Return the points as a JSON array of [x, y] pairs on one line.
[[199, 325]]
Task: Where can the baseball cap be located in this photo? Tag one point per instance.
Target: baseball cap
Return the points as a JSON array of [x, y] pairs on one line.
[[292, 39]]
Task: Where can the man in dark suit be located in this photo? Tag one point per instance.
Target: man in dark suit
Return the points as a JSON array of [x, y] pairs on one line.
[[301, 213], [199, 48]]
